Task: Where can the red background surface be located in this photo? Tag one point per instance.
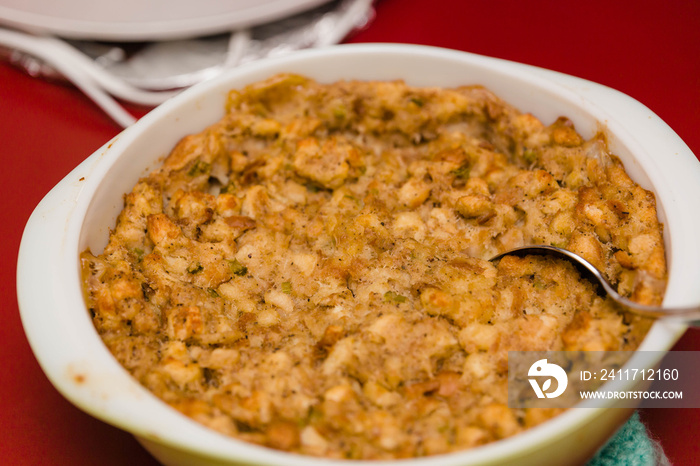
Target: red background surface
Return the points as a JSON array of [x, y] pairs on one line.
[[647, 49]]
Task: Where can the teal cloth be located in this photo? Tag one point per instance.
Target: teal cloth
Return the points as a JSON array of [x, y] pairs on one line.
[[630, 446]]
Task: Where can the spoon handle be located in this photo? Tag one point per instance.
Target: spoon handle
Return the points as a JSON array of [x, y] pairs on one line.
[[689, 315]]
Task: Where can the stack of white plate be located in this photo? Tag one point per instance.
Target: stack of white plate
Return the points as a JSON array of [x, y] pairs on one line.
[[145, 52]]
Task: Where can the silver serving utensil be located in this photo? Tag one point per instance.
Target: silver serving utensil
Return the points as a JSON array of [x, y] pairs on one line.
[[689, 315]]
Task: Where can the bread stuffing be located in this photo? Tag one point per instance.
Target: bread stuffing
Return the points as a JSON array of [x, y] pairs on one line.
[[312, 274]]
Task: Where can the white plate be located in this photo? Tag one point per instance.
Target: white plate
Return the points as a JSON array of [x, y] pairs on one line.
[[138, 20]]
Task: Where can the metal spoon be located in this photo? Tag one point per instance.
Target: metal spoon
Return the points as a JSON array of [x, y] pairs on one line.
[[689, 315]]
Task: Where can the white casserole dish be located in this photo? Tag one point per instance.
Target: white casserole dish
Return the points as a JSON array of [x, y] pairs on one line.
[[79, 212]]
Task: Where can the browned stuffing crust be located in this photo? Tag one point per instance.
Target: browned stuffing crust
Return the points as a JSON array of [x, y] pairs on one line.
[[311, 272]]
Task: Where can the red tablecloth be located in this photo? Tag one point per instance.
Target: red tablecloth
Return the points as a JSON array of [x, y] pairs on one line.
[[647, 49]]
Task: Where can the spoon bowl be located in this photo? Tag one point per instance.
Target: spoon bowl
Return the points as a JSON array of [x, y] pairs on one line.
[[690, 315]]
